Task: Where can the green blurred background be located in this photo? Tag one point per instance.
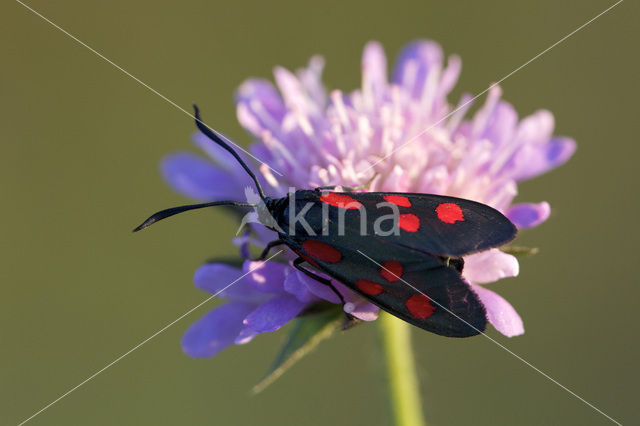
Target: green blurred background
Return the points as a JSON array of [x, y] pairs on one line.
[[81, 144]]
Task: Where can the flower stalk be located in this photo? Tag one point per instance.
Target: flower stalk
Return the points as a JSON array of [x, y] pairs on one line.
[[401, 377]]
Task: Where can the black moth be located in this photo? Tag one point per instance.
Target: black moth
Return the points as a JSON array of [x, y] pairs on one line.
[[413, 273]]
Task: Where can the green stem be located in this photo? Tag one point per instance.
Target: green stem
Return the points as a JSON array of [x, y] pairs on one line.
[[404, 389]]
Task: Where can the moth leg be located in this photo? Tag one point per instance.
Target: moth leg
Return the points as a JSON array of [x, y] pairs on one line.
[[297, 264], [329, 187], [350, 322], [349, 188], [268, 247]]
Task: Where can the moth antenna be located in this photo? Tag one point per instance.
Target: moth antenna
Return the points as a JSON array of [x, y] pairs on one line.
[[163, 214], [213, 135]]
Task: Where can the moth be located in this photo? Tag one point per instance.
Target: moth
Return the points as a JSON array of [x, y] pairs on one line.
[[401, 251]]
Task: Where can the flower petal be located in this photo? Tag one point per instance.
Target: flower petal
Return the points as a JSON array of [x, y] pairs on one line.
[[488, 266], [449, 78], [293, 92], [528, 215], [362, 310], [295, 285], [536, 129], [216, 330], [415, 63], [243, 242], [266, 277], [311, 79], [501, 125], [499, 312], [374, 71], [223, 280], [260, 106], [317, 288], [197, 178], [273, 314], [223, 160], [483, 116], [533, 160], [245, 336]]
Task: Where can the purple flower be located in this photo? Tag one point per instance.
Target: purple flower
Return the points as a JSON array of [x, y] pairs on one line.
[[315, 138]]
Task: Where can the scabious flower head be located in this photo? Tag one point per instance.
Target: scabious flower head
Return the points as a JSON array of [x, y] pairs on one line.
[[402, 132]]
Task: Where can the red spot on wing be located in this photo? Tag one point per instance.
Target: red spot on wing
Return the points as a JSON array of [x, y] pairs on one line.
[[369, 287], [398, 200], [420, 306], [449, 213], [391, 270], [322, 251], [409, 222], [340, 200]]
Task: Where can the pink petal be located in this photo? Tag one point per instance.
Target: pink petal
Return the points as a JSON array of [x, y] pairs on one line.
[[499, 312], [311, 79], [449, 78], [295, 96], [533, 160], [483, 116], [249, 120], [536, 128], [528, 215], [263, 103], [362, 310], [374, 70], [415, 63], [489, 266], [502, 125]]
